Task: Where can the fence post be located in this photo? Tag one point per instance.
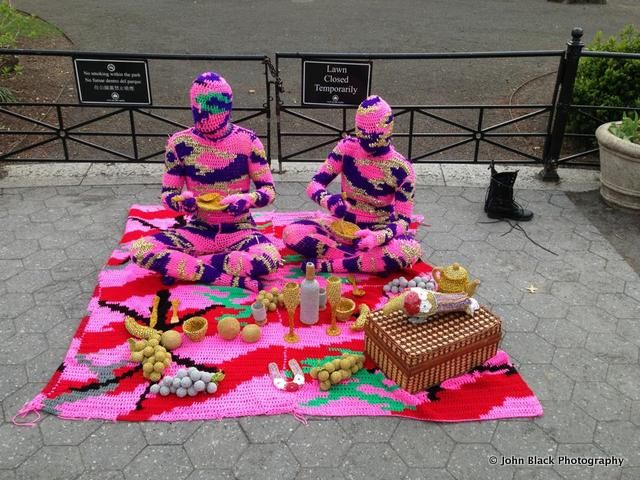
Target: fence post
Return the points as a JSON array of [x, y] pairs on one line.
[[561, 105]]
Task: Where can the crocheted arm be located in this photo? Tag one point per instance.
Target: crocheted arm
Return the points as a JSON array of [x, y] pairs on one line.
[[260, 174], [172, 196], [317, 189], [403, 207], [404, 204]]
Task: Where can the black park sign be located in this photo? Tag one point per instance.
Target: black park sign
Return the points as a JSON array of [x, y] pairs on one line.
[[106, 81], [335, 83]]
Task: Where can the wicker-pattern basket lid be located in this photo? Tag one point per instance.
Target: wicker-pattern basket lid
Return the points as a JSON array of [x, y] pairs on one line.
[[443, 332]]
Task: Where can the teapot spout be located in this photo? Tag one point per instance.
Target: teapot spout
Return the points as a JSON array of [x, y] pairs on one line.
[[471, 287]]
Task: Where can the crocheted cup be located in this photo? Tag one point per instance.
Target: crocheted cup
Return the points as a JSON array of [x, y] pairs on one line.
[[345, 309], [259, 312], [291, 293], [195, 328], [334, 292]]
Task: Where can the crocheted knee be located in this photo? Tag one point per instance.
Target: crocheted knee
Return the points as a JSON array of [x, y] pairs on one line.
[[297, 231], [306, 237], [403, 251], [254, 256], [265, 259], [165, 253]]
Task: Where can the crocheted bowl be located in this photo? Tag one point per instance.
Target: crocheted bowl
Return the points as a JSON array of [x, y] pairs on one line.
[[195, 328], [345, 309], [344, 231], [210, 202]]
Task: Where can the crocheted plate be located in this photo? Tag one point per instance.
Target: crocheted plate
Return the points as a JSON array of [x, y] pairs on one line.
[[345, 231], [210, 202]]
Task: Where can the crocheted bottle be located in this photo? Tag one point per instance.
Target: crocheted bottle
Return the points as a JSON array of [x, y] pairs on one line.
[[309, 297]]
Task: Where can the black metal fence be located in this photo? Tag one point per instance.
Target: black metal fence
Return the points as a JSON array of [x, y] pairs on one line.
[[545, 136], [67, 131], [137, 133], [477, 127]]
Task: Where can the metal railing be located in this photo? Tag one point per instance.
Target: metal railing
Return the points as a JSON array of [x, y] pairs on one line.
[[68, 127], [62, 125], [477, 131], [474, 132]]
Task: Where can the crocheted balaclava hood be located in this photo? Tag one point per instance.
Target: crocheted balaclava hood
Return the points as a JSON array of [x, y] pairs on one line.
[[374, 124], [211, 102]]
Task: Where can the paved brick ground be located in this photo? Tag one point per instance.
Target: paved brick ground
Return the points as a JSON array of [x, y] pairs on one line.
[[575, 341]]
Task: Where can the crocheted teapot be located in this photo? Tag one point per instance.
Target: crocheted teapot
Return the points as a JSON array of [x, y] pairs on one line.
[[454, 279]]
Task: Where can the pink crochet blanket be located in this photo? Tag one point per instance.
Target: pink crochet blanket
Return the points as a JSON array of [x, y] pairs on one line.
[[96, 380]]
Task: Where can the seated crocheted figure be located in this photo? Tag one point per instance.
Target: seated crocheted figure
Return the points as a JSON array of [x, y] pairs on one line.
[[218, 245], [377, 194]]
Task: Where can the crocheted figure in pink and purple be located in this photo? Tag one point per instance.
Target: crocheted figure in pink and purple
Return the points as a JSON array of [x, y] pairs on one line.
[[378, 183], [215, 156]]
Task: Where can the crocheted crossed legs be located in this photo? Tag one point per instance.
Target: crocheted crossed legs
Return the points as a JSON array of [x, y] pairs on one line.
[[313, 240], [223, 255]]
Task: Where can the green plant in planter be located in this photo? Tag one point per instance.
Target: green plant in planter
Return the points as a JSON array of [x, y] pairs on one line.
[[628, 129], [606, 81]]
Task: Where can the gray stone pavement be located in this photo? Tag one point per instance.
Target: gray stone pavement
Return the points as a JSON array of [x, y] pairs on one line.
[[575, 341]]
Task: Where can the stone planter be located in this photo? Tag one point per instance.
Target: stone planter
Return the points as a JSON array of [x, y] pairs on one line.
[[619, 170]]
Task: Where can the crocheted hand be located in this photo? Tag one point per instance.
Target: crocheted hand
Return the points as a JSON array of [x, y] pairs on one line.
[[336, 205], [238, 203], [368, 239], [188, 202]]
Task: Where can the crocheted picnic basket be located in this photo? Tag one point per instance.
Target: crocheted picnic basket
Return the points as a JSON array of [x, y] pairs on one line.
[[417, 357]]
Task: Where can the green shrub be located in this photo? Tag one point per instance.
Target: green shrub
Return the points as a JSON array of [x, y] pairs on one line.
[[628, 129], [606, 81], [14, 25]]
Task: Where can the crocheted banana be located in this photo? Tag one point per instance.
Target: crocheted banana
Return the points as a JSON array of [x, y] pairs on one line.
[[139, 331], [360, 322]]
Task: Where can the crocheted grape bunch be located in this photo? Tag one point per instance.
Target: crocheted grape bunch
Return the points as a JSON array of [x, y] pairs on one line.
[[337, 370], [271, 299], [188, 382], [153, 356], [399, 285]]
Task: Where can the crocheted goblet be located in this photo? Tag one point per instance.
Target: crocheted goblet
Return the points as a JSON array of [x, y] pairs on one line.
[[291, 294], [334, 292]]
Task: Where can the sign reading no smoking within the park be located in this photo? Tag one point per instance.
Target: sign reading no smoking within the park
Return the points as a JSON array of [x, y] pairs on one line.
[[105, 81], [335, 83]]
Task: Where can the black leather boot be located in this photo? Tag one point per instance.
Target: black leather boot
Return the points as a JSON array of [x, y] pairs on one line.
[[499, 202]]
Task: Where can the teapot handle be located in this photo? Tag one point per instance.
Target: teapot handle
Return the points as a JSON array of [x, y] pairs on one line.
[[435, 273]]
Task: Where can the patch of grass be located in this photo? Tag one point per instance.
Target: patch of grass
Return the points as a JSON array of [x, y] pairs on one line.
[[6, 95], [15, 24]]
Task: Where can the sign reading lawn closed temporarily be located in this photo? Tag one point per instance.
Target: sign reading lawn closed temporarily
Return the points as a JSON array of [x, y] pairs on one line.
[[335, 83], [124, 82]]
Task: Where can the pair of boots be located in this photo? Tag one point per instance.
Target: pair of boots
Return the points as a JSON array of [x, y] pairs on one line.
[[499, 202]]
